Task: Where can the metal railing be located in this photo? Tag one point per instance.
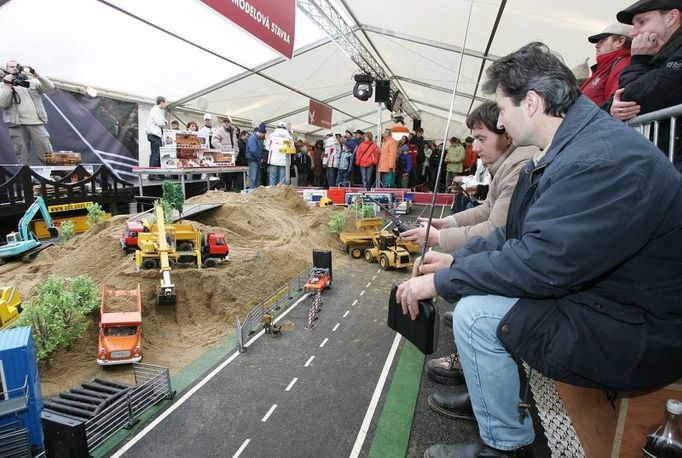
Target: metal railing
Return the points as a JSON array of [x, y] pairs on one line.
[[152, 384], [11, 405], [274, 302], [14, 441], [661, 128]]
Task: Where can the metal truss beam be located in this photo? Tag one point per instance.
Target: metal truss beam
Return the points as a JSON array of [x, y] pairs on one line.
[[440, 88], [327, 18], [438, 107]]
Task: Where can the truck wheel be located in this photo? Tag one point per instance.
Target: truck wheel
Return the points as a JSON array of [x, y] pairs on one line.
[[383, 262], [148, 264], [356, 252], [185, 247], [368, 255], [210, 262]]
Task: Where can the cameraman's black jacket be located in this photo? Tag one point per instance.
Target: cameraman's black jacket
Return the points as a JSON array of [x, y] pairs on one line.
[[592, 249]]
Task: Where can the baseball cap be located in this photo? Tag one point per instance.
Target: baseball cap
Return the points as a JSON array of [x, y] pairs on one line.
[[207, 116], [281, 125], [642, 6], [612, 29]]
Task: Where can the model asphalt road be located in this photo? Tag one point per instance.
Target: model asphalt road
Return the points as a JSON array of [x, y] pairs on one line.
[[304, 393]]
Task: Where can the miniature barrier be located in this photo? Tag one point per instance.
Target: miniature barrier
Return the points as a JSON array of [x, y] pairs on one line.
[[651, 124], [14, 441], [252, 322], [152, 384], [314, 308]]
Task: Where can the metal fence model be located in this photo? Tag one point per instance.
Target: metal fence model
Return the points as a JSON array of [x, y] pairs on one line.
[[14, 441], [253, 319], [152, 384]]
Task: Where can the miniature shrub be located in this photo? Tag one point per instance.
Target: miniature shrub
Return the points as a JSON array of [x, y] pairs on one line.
[[66, 230], [172, 193], [56, 313], [337, 222], [95, 214]]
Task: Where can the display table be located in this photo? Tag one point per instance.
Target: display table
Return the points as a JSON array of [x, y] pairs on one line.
[[183, 172]]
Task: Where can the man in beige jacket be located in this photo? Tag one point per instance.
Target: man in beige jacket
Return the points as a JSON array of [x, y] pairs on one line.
[[505, 161]]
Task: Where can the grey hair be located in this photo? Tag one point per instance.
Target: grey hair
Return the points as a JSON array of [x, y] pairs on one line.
[[534, 68]]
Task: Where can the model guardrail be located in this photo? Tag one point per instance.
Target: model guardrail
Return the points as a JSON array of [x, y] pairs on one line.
[[274, 302]]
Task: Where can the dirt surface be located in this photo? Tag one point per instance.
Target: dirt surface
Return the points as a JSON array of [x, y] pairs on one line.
[[120, 303], [271, 233]]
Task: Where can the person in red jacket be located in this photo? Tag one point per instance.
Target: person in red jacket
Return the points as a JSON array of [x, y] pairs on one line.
[[612, 47], [367, 157]]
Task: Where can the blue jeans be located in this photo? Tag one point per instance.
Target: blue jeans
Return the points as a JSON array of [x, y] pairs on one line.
[[155, 155], [331, 176], [254, 174], [342, 178], [277, 174], [491, 374], [367, 174]]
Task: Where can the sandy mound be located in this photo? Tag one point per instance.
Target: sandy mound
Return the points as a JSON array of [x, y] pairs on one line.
[[271, 233]]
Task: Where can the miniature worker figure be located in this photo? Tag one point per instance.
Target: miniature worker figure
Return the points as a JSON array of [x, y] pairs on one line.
[[267, 322]]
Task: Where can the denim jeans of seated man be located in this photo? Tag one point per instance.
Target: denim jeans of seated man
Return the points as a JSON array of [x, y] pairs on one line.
[[277, 174], [491, 373]]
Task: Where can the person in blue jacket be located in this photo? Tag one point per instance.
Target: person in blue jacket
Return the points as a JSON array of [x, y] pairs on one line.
[[255, 152], [584, 281]]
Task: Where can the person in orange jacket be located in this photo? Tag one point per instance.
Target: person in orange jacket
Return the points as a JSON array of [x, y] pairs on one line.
[[367, 157], [388, 158]]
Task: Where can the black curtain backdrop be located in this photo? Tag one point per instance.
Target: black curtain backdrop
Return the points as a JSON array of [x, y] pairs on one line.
[[101, 129]]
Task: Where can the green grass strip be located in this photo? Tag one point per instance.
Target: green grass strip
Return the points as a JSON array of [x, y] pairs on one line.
[[393, 432]]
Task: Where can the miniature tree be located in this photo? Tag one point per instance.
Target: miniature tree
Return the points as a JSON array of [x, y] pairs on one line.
[[95, 214], [167, 210], [66, 229], [57, 312], [367, 211], [172, 193], [337, 222]]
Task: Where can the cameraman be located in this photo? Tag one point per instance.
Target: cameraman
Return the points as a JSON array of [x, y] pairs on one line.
[[24, 112]]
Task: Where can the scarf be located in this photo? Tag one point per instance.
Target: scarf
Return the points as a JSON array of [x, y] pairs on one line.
[[668, 48]]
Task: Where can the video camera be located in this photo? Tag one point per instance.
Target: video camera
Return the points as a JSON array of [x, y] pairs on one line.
[[20, 78]]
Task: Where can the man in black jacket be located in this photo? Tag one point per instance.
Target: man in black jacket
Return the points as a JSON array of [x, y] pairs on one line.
[[583, 283], [654, 78]]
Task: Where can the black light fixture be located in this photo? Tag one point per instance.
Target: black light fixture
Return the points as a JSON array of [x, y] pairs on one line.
[[363, 86]]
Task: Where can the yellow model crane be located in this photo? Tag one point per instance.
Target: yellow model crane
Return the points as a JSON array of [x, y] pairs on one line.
[[167, 291]]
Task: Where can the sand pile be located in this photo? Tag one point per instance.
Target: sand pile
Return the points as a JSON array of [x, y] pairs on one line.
[[271, 233]]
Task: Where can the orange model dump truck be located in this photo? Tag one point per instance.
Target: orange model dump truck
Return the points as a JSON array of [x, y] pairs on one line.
[[120, 327]]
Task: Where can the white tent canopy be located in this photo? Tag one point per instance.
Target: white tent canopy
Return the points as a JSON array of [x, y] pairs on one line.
[[191, 54]]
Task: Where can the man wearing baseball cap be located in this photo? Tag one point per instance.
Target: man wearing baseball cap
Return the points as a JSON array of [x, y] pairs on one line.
[[654, 78], [612, 47]]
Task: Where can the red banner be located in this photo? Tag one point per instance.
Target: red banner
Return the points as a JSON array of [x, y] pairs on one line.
[[273, 23], [319, 115]]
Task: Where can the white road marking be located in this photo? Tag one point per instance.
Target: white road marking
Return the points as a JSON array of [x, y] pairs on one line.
[[364, 428], [374, 277], [362, 293], [241, 449], [291, 384], [346, 314], [368, 284], [336, 327], [196, 387], [378, 270], [310, 360], [267, 415], [355, 302], [324, 342]]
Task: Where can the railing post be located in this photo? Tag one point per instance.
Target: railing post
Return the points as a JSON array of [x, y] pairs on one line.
[[129, 408]]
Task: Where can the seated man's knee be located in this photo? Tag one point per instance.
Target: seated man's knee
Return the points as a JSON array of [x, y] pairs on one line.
[[466, 311]]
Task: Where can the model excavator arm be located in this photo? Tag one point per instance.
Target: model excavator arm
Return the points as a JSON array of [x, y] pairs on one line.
[[37, 206], [167, 293]]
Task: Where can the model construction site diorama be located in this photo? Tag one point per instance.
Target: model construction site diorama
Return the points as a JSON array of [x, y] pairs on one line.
[[166, 289]]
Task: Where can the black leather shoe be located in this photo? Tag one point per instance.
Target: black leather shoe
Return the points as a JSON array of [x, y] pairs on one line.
[[446, 370], [476, 451], [452, 405], [447, 319]]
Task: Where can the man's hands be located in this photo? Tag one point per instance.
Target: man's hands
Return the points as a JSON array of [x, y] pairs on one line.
[[421, 286], [623, 110], [646, 43], [418, 235]]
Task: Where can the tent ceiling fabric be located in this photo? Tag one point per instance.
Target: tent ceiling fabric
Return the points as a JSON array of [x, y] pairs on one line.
[[114, 50]]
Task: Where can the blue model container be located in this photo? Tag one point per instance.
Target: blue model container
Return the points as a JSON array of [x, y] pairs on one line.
[[17, 361]]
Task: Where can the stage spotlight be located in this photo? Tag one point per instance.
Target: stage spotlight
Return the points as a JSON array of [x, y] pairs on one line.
[[363, 86]]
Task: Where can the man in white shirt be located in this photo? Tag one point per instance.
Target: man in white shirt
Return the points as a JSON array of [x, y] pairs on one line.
[[155, 124]]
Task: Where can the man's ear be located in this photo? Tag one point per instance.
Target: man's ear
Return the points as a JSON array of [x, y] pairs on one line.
[[673, 17], [533, 103]]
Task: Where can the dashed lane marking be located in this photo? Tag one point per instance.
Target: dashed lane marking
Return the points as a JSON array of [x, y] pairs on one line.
[[346, 314], [336, 327], [267, 415], [354, 302], [362, 293], [310, 360], [291, 384], [241, 449], [368, 284], [324, 342]]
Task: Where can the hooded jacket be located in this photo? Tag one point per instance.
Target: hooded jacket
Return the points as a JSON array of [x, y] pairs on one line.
[[604, 80], [591, 248], [367, 154], [279, 143], [389, 155], [332, 153]]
